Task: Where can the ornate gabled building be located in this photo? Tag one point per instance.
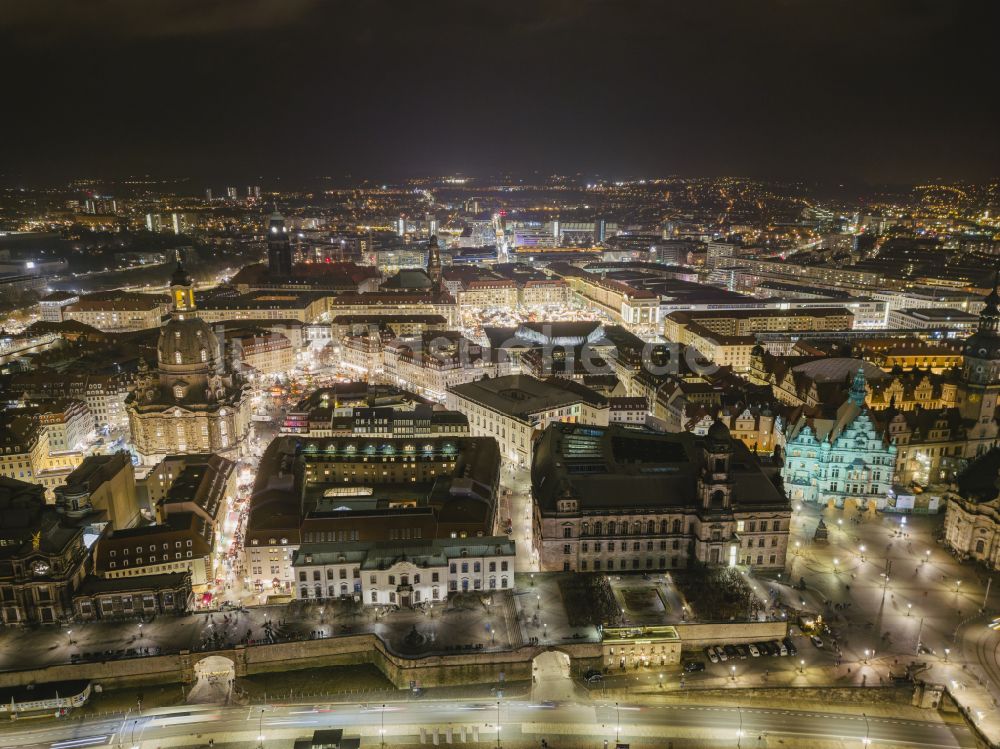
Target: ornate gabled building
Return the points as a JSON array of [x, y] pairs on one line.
[[926, 426], [840, 458], [760, 427], [192, 402], [934, 445], [812, 382]]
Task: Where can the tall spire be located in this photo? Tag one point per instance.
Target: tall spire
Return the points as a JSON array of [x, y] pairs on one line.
[[434, 262], [858, 391], [182, 288], [279, 248], [989, 318]]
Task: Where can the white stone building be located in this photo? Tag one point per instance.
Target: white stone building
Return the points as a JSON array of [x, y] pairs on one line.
[[381, 574]]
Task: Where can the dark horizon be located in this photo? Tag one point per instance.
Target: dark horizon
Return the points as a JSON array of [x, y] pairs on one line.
[[883, 92]]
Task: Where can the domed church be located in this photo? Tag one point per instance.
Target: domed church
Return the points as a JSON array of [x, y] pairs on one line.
[[192, 402]]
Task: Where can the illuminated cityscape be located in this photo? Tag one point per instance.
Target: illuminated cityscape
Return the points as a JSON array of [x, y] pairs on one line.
[[345, 405]]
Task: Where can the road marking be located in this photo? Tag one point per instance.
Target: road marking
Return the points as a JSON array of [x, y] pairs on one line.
[[90, 741]]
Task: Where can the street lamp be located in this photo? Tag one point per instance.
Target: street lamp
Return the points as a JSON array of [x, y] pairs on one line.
[[381, 731], [498, 725], [946, 651], [732, 672], [958, 584], [661, 681], [867, 653], [802, 666], [618, 727], [867, 740], [909, 608]]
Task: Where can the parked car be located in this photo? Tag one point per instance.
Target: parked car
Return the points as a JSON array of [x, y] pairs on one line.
[[721, 653], [731, 652], [789, 646], [593, 675], [710, 654], [766, 649], [742, 651], [817, 641], [754, 652], [692, 666]]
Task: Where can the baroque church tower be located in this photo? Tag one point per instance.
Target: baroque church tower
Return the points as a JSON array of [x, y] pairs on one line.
[[192, 402], [980, 387]]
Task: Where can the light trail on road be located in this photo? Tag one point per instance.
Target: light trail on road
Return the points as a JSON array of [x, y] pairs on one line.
[[648, 721]]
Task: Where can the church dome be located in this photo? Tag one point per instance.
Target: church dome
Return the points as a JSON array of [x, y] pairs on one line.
[[189, 344], [839, 369], [718, 432]]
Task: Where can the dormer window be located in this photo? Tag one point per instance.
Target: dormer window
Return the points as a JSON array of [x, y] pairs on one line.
[[204, 355], [178, 391], [177, 357]]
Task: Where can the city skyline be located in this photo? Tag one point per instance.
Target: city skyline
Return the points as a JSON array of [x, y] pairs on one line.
[[569, 373]]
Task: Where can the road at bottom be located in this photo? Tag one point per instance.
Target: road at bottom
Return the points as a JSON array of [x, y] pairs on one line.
[[602, 720]]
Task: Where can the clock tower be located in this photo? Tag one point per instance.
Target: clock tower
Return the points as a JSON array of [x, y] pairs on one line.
[[980, 386]]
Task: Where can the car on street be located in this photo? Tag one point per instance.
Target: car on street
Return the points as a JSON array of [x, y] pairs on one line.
[[731, 652], [593, 675], [721, 653], [692, 666], [817, 641], [754, 652], [789, 646], [767, 648], [742, 651], [710, 654]]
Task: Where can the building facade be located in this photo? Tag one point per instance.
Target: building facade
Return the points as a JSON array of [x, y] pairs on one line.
[[609, 499], [842, 458], [511, 409], [43, 557], [404, 575], [972, 514], [192, 402]]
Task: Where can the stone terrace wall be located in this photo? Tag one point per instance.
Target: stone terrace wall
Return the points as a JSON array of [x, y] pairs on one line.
[[431, 670], [160, 669], [694, 636]]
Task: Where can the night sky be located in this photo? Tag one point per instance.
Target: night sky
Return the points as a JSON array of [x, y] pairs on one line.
[[226, 89]]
